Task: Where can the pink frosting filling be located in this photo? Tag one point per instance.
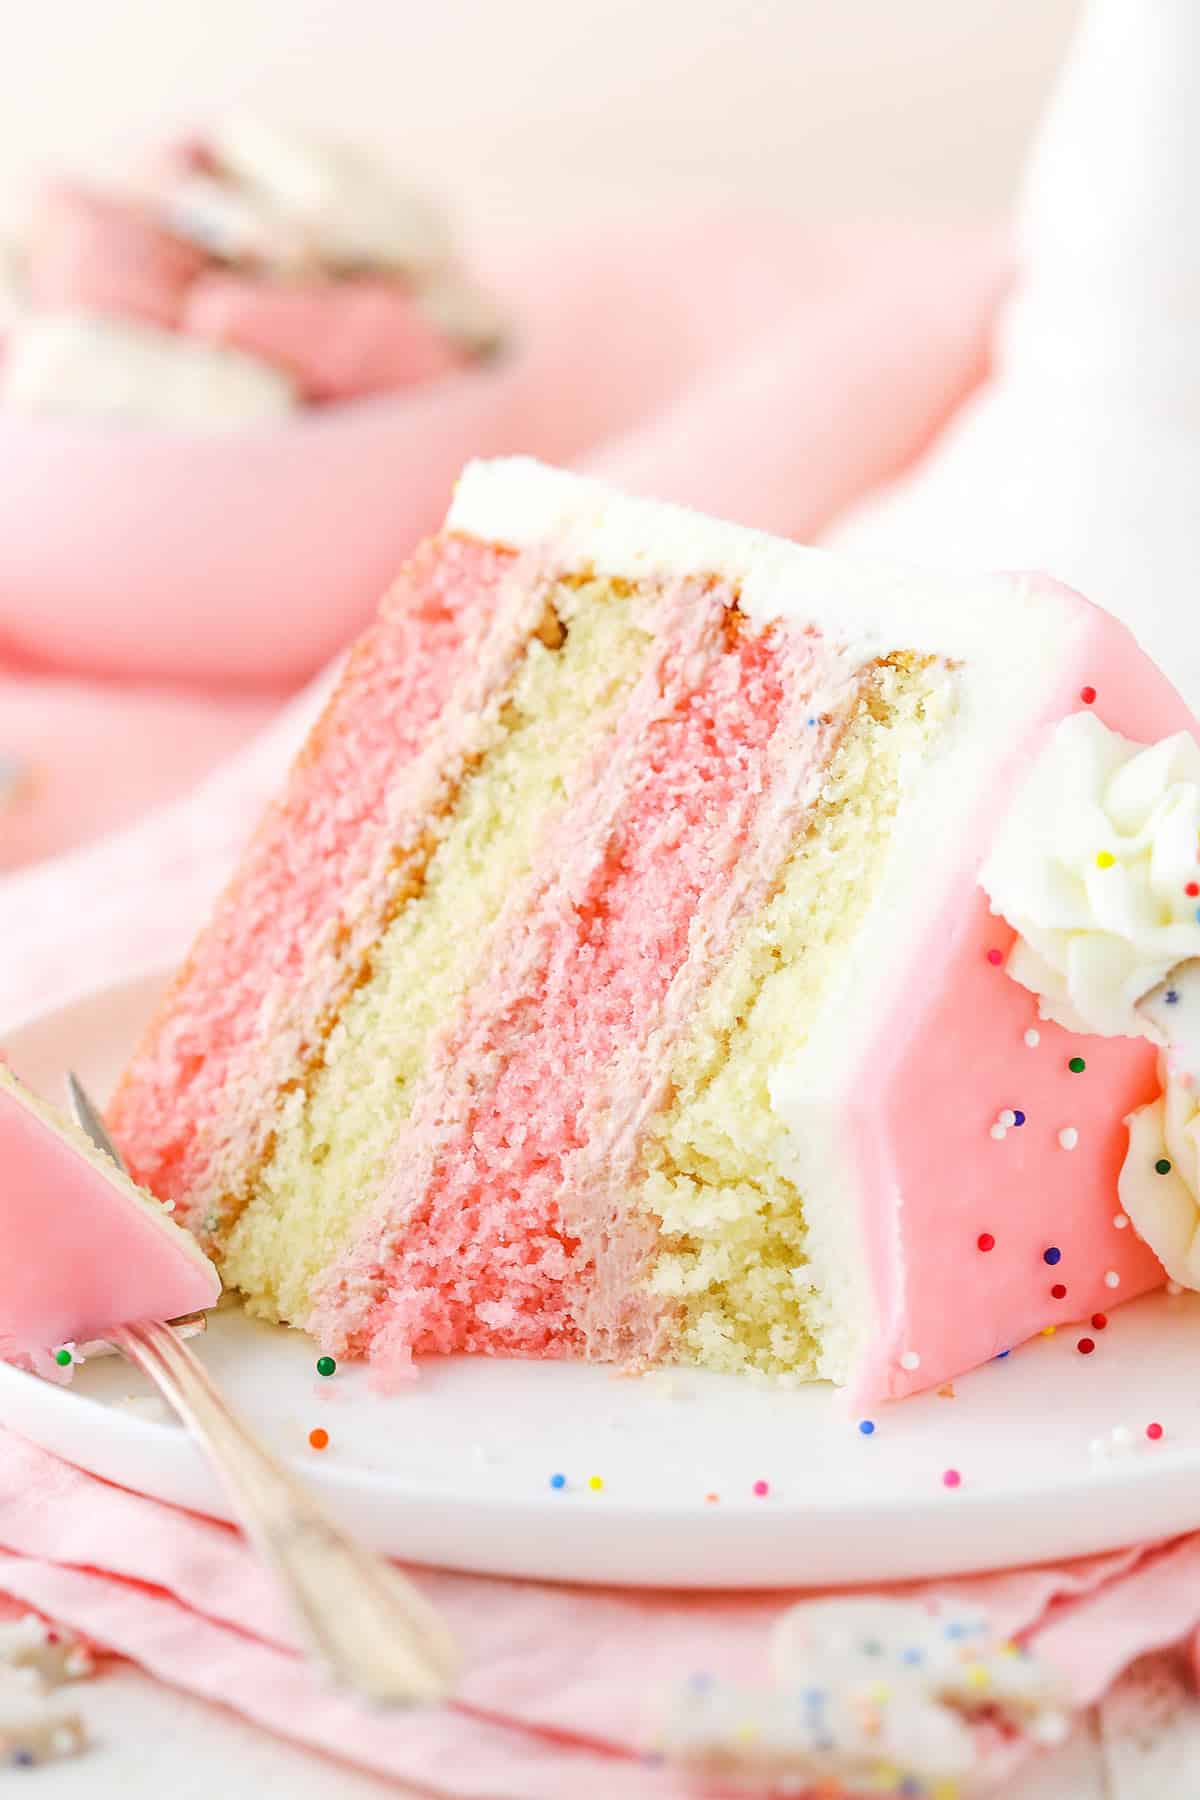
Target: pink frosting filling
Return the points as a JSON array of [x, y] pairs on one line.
[[483, 1261], [298, 871], [81, 1254]]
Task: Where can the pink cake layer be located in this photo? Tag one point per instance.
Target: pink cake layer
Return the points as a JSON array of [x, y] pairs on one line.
[[494, 1236], [948, 1060], [171, 1109], [82, 1253]]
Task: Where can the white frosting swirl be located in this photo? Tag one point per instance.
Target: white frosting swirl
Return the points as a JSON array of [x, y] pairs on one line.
[[1090, 869], [1163, 1201]]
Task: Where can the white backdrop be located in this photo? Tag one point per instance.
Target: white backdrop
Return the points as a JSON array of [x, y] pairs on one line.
[[544, 106]]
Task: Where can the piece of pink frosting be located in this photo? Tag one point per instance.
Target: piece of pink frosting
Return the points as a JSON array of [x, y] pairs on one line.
[[91, 252], [83, 1249], [339, 340], [977, 1242]]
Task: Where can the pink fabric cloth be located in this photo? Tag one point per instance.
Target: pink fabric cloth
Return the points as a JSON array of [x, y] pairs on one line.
[[95, 754], [788, 374]]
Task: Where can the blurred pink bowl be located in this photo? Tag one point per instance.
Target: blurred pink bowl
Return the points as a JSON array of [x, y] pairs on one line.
[[251, 558], [246, 558]]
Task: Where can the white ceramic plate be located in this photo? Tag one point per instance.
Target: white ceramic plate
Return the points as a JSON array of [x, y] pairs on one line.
[[457, 1470]]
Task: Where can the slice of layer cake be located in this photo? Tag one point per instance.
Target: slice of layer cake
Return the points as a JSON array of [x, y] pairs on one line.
[[85, 1250], [614, 979]]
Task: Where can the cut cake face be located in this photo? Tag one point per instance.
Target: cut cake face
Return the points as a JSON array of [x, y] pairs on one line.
[[614, 978], [85, 1250]]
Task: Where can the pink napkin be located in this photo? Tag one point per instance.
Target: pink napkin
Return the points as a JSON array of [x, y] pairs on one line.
[[812, 367]]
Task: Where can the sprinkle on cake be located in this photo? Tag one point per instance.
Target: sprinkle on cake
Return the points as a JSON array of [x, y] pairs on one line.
[[613, 977]]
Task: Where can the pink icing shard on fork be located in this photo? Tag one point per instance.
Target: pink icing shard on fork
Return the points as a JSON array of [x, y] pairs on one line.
[[84, 1248]]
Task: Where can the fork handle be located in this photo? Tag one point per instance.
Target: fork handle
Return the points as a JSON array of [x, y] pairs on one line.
[[367, 1625]]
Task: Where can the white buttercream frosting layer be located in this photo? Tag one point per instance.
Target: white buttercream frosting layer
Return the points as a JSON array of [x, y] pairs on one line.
[[864, 606], [1091, 869]]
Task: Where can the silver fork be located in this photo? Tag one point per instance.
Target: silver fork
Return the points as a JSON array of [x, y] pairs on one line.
[[362, 1621]]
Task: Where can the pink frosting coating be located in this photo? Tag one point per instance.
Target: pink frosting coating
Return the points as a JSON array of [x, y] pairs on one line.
[[82, 1251], [948, 1060]]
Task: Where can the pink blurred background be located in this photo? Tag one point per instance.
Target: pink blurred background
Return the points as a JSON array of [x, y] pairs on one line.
[[589, 154], [547, 111]]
